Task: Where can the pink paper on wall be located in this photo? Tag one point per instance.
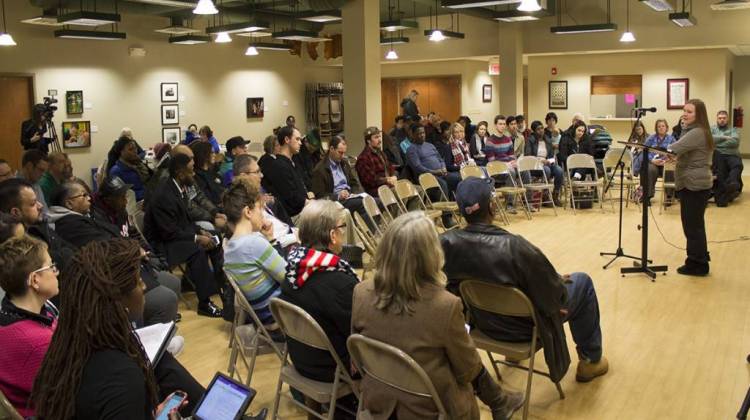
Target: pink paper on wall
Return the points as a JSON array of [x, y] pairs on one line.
[[629, 98]]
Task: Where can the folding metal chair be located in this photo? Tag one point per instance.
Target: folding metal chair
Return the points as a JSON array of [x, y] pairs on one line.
[[507, 301], [669, 169], [629, 183], [406, 192], [393, 207], [529, 164], [428, 182], [583, 161], [373, 211], [300, 326], [393, 367], [497, 168]]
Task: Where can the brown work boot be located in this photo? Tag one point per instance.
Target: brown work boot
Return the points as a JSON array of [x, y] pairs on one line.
[[589, 370], [502, 403]]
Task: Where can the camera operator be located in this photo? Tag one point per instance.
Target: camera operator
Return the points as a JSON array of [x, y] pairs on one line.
[[33, 130]]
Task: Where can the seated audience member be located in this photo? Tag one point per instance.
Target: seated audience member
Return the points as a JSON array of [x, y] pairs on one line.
[[173, 233], [488, 253], [393, 152], [27, 318], [660, 139], [334, 179], [552, 132], [677, 129], [70, 214], [303, 161], [639, 135], [10, 227], [127, 132], [540, 146], [6, 172], [94, 351], [291, 121], [34, 165], [469, 128], [18, 199], [129, 166], [206, 178], [270, 148], [191, 134], [423, 157], [406, 305], [727, 161], [314, 145], [443, 147], [499, 146], [373, 166], [207, 136], [285, 180], [477, 143], [452, 149], [251, 255], [407, 141], [58, 171], [519, 143], [321, 283], [522, 127], [576, 140], [398, 132], [236, 146]]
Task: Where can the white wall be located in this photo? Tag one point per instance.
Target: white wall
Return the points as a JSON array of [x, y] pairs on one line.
[[708, 81], [742, 98]]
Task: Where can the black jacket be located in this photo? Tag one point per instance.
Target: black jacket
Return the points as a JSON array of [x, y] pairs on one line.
[[168, 226], [322, 179], [489, 253], [327, 297], [199, 207], [60, 250], [264, 163], [410, 109], [286, 184], [209, 183], [569, 146], [28, 129], [447, 154], [79, 230], [532, 146]]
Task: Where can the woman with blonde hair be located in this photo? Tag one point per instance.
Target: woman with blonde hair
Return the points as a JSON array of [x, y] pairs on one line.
[[693, 182], [407, 306]]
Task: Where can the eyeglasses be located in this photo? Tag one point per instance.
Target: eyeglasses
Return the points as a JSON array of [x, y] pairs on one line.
[[52, 267], [251, 172]]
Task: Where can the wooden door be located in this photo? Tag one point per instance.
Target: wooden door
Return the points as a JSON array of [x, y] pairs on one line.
[[389, 101], [441, 94], [445, 97], [15, 109]]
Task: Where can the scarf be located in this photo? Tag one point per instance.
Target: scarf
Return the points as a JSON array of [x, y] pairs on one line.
[[302, 262], [144, 173], [460, 153]]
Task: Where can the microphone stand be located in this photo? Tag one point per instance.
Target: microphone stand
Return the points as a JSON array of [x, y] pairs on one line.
[[621, 167]]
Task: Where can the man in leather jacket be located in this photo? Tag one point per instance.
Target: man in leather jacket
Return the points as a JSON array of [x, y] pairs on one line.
[[485, 252]]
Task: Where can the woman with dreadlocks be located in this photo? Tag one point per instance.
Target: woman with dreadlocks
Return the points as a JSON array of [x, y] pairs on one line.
[[96, 368]]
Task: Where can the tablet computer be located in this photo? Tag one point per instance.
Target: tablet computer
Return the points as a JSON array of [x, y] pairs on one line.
[[225, 399]]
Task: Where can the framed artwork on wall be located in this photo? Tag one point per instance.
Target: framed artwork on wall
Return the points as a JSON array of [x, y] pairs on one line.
[[170, 114], [74, 101], [678, 93], [76, 134], [254, 107], [558, 94], [169, 92], [486, 93], [171, 135]]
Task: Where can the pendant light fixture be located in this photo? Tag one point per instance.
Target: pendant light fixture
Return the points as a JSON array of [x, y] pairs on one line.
[[251, 50], [391, 55], [205, 7], [222, 38], [5, 39], [529, 6], [627, 36]]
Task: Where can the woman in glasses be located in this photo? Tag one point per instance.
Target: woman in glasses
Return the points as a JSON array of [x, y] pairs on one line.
[[27, 318]]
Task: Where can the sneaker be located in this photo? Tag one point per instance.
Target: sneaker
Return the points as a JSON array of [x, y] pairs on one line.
[[209, 309], [587, 371], [513, 401], [176, 345]]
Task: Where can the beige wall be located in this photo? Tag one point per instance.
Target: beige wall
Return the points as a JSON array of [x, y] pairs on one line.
[[742, 97], [708, 81], [473, 75], [214, 81]]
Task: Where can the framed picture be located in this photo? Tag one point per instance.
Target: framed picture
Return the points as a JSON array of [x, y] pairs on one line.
[[169, 92], [558, 94], [171, 135], [678, 93], [486, 93], [74, 101], [170, 114], [254, 107], [76, 134]]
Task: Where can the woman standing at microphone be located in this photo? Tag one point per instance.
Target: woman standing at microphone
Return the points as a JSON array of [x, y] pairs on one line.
[[693, 181]]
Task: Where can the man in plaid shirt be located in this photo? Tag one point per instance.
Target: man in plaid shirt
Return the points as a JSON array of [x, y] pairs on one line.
[[373, 166]]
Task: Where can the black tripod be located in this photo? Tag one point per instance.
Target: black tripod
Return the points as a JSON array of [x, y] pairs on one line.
[[742, 414], [621, 168]]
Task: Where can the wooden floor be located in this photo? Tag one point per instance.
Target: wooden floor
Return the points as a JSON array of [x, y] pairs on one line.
[[676, 347]]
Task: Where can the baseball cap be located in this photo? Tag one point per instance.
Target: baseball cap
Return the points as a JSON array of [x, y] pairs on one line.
[[113, 186], [472, 195], [235, 142], [371, 131]]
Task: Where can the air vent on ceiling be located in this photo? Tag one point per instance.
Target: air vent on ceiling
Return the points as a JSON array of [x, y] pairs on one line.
[[731, 5]]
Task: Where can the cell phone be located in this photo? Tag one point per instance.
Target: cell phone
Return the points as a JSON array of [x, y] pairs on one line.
[[215, 238], [175, 400]]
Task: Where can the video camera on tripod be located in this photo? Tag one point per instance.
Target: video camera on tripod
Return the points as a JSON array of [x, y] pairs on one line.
[[49, 107]]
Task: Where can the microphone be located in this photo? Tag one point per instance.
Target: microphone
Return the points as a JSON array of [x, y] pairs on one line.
[[652, 109]]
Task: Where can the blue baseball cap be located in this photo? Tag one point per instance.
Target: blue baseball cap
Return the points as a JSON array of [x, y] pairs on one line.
[[472, 195]]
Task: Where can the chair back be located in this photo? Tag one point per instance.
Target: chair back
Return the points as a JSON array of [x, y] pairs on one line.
[[132, 205], [372, 210], [669, 167], [472, 170], [428, 181], [363, 231], [612, 156], [393, 367], [7, 411], [390, 202], [497, 167], [244, 305], [529, 163], [405, 190], [496, 298], [138, 220], [580, 161], [299, 325]]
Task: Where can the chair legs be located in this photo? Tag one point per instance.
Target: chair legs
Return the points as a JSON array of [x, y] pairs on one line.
[[529, 378]]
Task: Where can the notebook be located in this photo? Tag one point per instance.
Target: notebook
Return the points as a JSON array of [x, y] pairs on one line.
[[225, 399], [155, 339]]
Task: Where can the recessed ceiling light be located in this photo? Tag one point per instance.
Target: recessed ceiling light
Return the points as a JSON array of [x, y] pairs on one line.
[[323, 16], [86, 18], [299, 35], [95, 35], [189, 39], [583, 29]]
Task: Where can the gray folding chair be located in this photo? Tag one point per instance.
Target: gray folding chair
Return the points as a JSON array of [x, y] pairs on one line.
[[391, 204], [497, 168], [532, 164], [300, 326], [7, 411], [507, 301], [391, 366], [583, 161], [406, 192], [373, 211], [246, 347]]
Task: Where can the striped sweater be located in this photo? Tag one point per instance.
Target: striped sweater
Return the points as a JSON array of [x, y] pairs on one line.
[[499, 148], [258, 268]]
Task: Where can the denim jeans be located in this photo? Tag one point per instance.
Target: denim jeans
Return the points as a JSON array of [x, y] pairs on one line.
[[583, 316]]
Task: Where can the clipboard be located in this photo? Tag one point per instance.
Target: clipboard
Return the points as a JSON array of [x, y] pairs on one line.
[[155, 339]]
